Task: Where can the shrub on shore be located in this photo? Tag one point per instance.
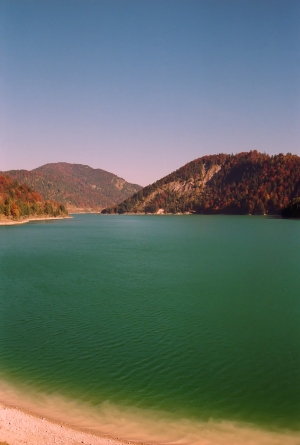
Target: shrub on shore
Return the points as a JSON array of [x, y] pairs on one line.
[[292, 210]]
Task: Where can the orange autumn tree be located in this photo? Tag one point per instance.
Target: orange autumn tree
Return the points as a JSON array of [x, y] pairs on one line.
[[19, 201]]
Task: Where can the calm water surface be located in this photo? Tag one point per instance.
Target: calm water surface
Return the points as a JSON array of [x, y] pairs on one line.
[[194, 316]]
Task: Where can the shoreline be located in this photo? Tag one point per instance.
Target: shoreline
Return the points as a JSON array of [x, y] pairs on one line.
[[23, 425], [11, 222], [20, 426]]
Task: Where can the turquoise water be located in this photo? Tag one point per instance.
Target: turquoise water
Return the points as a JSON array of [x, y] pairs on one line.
[[195, 317]]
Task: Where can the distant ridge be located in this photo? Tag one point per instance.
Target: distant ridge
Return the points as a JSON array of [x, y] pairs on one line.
[[245, 183], [75, 185]]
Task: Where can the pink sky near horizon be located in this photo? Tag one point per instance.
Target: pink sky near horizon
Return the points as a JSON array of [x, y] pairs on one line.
[[141, 88]]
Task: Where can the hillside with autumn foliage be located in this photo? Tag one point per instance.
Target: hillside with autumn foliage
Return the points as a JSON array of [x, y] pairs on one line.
[[18, 201], [77, 186], [245, 183]]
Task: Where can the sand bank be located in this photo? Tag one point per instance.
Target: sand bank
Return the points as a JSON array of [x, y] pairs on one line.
[[23, 428], [11, 222], [28, 418], [20, 428]]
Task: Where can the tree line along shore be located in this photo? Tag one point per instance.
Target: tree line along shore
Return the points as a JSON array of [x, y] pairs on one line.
[[19, 202]]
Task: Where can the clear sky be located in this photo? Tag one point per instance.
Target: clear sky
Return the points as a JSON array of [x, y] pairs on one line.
[[141, 87]]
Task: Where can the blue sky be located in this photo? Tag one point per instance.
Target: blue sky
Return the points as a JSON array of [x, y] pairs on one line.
[[141, 87]]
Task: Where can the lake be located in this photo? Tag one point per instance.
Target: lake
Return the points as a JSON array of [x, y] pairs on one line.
[[155, 328]]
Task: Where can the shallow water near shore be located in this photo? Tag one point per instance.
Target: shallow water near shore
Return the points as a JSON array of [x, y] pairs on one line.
[[158, 328]]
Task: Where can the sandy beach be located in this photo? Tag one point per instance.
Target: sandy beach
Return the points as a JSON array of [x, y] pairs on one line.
[[20, 428], [11, 222]]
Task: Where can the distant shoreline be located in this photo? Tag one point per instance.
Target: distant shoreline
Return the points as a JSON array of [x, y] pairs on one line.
[[11, 222], [85, 213], [187, 214]]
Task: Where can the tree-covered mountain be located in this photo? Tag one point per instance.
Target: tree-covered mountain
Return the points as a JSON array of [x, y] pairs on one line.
[[76, 186], [19, 201], [245, 183]]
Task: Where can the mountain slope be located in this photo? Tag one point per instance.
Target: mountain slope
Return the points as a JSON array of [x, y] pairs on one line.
[[245, 183], [18, 201], [76, 185]]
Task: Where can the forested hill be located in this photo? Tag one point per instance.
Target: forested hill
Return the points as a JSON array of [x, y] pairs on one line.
[[19, 201], [245, 183], [75, 185]]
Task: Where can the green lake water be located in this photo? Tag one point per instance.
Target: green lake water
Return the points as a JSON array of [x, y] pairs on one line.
[[161, 318]]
